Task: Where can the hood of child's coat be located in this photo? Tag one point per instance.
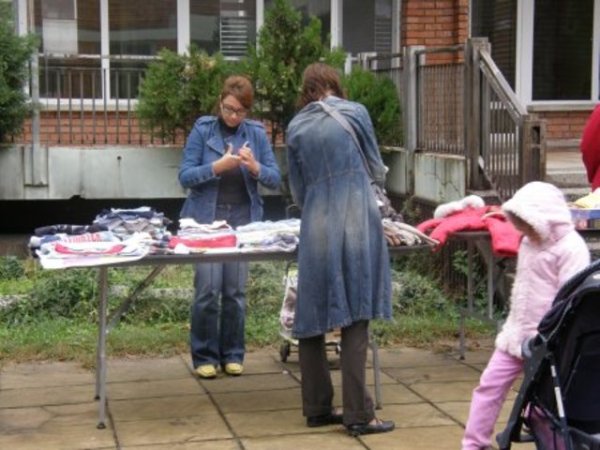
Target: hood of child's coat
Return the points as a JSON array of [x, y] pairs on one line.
[[543, 206]]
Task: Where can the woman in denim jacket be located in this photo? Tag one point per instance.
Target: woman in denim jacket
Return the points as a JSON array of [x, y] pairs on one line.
[[224, 159], [343, 262]]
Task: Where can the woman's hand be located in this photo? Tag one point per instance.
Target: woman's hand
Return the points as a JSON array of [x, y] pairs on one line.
[[227, 162], [247, 159]]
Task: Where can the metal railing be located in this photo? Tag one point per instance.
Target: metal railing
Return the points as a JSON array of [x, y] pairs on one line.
[[81, 101], [454, 101], [462, 105], [440, 101], [506, 145]]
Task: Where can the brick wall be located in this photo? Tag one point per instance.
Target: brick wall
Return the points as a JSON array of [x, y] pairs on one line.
[[435, 23], [564, 125], [88, 129]]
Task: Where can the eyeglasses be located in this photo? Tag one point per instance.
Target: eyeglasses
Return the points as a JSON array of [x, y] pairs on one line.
[[230, 110]]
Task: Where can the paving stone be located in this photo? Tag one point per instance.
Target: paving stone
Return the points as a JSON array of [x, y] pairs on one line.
[[217, 444], [272, 423], [403, 357], [460, 410], [207, 427], [395, 394], [332, 440], [259, 382], [13, 420], [158, 403], [139, 369], [414, 415], [416, 438], [162, 407], [60, 428], [452, 372], [259, 400], [46, 396], [44, 374], [154, 388]]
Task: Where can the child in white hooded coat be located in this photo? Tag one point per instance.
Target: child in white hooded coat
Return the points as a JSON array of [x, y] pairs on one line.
[[551, 251]]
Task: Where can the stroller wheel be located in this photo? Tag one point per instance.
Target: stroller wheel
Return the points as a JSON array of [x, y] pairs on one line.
[[284, 351]]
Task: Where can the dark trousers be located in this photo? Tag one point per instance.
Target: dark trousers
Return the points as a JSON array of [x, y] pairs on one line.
[[317, 388]]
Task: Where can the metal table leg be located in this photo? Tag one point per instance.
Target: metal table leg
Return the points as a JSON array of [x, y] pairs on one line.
[[101, 351]]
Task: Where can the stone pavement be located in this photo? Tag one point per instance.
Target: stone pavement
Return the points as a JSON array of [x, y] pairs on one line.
[[157, 403]]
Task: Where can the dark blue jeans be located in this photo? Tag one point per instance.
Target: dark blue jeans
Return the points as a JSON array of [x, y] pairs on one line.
[[219, 310]]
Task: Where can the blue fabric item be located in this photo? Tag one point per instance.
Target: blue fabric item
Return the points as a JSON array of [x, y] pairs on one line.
[[217, 333], [204, 146], [343, 262]]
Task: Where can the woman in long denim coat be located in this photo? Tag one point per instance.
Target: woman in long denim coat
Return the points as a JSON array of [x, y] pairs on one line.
[[343, 273], [224, 159]]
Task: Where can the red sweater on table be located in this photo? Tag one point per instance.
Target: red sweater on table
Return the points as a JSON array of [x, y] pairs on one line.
[[590, 148], [504, 236]]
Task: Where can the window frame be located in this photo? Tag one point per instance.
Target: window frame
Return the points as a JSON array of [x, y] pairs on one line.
[[524, 60], [183, 40]]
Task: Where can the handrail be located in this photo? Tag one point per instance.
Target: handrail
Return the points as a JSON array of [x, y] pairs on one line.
[[501, 86]]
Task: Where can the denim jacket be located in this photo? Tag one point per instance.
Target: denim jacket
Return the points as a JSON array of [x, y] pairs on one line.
[[204, 146], [343, 262]]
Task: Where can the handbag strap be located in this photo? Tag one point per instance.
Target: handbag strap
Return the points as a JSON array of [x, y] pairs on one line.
[[346, 126]]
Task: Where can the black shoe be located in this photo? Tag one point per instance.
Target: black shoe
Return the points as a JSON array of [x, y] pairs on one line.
[[380, 426], [333, 418]]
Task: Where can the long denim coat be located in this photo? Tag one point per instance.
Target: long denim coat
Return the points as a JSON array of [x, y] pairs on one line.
[[343, 262], [204, 146]]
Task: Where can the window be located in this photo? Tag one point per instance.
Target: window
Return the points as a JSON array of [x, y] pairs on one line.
[[562, 49], [100, 48], [548, 50], [133, 34], [367, 26], [227, 26], [70, 32], [497, 20], [320, 9]]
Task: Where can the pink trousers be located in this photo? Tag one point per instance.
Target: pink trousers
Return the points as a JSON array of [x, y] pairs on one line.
[[497, 378]]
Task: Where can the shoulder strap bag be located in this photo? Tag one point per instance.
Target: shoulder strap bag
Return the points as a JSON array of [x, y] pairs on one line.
[[383, 202]]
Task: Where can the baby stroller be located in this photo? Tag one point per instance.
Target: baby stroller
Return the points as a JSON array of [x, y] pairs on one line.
[[286, 317], [558, 405]]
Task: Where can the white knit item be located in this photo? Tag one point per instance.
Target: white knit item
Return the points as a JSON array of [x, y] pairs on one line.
[[445, 209]]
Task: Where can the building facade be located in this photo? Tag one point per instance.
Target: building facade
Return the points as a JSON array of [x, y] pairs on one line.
[[93, 54]]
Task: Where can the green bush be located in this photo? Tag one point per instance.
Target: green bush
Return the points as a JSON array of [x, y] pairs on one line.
[[380, 97], [11, 268], [177, 89], [15, 52], [285, 49]]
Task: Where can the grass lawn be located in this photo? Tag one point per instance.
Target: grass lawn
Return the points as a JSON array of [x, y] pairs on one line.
[[59, 320]]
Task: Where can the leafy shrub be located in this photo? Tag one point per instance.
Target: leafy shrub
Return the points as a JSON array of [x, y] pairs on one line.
[[15, 52], [64, 293], [177, 89], [285, 49], [380, 97], [11, 268]]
